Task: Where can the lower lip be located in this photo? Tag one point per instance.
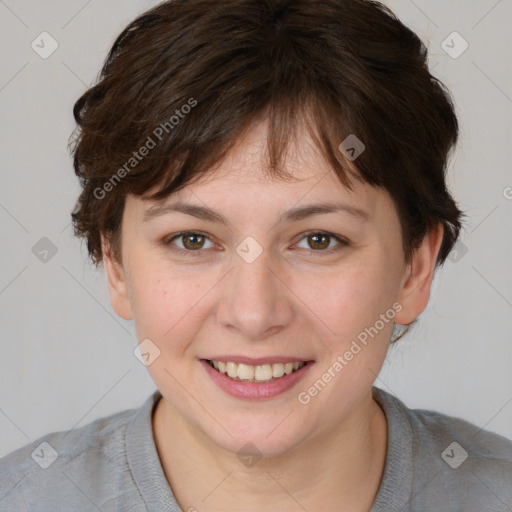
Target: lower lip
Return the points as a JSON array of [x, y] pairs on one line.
[[255, 390]]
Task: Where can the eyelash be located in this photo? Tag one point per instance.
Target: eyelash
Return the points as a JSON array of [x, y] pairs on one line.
[[168, 242]]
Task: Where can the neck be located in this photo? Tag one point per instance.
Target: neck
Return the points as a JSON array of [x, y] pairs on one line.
[[337, 469]]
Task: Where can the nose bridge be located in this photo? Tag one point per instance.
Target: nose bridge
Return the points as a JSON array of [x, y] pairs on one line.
[[254, 298]]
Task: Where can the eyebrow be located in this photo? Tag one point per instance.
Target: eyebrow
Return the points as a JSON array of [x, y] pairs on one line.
[[294, 214]]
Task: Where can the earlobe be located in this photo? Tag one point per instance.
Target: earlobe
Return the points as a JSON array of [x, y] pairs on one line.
[[415, 291], [116, 281]]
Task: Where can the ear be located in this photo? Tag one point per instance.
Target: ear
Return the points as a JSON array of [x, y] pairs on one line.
[[116, 282], [417, 281]]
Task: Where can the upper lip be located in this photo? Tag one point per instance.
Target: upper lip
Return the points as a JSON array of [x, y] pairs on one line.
[[259, 360]]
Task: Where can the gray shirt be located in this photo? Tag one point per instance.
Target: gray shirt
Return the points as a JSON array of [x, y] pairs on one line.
[[434, 462]]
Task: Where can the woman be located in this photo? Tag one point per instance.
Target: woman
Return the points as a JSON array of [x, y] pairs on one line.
[[265, 184]]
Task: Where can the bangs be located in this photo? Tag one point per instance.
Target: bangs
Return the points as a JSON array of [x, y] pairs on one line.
[[288, 124]]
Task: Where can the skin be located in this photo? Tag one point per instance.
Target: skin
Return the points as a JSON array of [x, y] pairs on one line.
[[293, 300]]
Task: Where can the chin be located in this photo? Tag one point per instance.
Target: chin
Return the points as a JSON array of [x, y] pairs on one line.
[[257, 442]]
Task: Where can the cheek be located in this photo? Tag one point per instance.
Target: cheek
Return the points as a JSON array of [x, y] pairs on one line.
[[347, 301], [357, 344], [161, 304]]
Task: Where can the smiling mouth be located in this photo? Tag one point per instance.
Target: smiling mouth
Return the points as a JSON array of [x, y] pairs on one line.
[[259, 373]]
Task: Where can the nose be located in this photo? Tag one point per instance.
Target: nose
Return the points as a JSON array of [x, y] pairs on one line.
[[255, 300]]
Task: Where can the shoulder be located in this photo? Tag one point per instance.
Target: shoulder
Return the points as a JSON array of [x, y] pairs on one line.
[[451, 460], [60, 448], [462, 441], [85, 462]]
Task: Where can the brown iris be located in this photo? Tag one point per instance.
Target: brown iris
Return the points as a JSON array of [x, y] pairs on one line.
[[323, 244], [192, 238]]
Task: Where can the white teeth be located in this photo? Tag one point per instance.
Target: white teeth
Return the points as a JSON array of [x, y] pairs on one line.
[[259, 373], [231, 368], [245, 372], [263, 372], [277, 370]]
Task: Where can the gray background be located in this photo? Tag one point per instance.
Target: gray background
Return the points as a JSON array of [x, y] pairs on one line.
[[67, 359]]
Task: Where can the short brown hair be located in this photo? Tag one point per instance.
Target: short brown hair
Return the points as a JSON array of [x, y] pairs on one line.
[[337, 67]]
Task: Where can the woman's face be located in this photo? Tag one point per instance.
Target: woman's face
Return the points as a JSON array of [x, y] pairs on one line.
[[267, 285]]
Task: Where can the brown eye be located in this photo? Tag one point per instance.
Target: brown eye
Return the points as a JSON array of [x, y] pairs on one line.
[[321, 242], [189, 242]]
